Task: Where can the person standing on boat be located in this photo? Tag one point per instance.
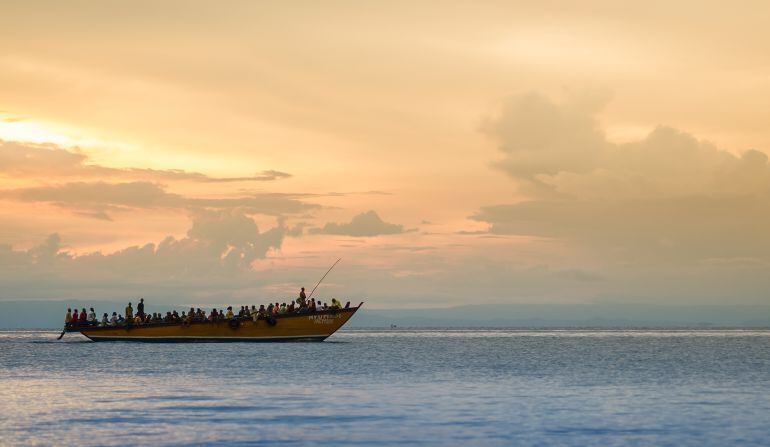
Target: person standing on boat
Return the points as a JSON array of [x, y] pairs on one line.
[[140, 308], [302, 298], [68, 317], [129, 312]]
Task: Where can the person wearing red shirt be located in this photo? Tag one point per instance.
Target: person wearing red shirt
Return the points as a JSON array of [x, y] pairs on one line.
[[83, 315]]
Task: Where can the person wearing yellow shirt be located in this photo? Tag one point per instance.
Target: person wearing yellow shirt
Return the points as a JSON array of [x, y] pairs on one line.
[[229, 315], [129, 312]]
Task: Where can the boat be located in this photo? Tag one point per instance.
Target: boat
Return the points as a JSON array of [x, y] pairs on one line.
[[310, 326]]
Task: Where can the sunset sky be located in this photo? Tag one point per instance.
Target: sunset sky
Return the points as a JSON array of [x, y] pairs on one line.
[[450, 152]]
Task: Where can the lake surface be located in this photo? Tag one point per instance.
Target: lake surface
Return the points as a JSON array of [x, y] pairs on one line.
[[392, 387]]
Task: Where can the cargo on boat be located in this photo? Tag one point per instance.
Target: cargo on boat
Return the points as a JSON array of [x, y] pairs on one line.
[[309, 326]]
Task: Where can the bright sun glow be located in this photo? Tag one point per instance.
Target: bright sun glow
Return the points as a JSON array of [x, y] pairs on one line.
[[40, 132]]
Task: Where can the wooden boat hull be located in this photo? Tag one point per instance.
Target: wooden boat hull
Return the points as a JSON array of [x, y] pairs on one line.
[[292, 327]]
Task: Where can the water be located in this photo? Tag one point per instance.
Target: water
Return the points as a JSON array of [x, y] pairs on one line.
[[416, 387]]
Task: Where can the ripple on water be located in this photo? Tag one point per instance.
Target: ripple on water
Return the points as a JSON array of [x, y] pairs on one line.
[[393, 387]]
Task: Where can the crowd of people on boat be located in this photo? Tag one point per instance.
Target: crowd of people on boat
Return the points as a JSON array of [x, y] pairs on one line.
[[301, 305]]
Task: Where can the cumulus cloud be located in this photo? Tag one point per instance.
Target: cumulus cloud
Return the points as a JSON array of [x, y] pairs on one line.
[[539, 137], [97, 199], [666, 196], [50, 161], [362, 225], [218, 245]]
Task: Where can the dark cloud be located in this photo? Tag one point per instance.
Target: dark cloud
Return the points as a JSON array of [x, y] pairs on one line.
[[98, 199], [50, 161], [362, 225]]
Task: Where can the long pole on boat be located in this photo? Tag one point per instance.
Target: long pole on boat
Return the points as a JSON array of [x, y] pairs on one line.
[[322, 278]]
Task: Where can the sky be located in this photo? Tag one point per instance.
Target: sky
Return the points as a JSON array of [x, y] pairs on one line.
[[449, 152]]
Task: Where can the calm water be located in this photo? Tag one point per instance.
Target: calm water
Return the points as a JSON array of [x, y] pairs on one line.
[[452, 387]]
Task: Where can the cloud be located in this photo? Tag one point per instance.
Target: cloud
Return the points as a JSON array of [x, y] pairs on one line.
[[219, 243], [538, 136], [50, 161], [97, 199], [362, 225], [668, 196]]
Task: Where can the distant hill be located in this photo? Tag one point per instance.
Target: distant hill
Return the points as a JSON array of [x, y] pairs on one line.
[[50, 314]]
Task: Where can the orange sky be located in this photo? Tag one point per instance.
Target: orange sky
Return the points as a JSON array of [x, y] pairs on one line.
[[450, 152]]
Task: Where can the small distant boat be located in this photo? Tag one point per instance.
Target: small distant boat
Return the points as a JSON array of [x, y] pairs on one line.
[[313, 326]]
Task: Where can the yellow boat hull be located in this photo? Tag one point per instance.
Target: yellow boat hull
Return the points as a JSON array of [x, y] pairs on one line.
[[292, 327]]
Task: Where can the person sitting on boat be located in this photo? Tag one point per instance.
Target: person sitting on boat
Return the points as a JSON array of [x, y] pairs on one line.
[[92, 317], [335, 304], [83, 317], [262, 311], [129, 312], [121, 320], [213, 315], [276, 308], [68, 317], [114, 319], [229, 315], [138, 320], [105, 320], [347, 305], [290, 308], [253, 310], [282, 309], [301, 309]]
